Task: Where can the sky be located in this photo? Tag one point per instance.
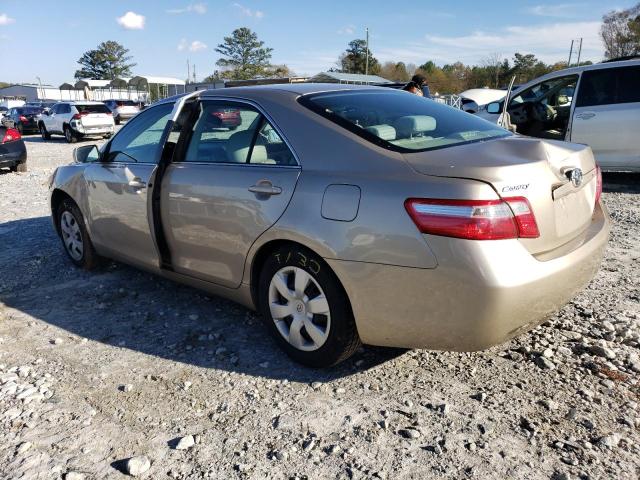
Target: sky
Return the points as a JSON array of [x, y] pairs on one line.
[[45, 39]]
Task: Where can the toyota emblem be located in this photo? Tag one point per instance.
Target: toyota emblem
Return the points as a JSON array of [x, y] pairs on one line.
[[575, 176]]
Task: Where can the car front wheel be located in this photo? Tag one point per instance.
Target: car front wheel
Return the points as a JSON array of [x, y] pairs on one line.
[[305, 308], [43, 132], [75, 237]]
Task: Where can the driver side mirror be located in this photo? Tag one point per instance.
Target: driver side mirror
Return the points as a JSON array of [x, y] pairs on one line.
[[493, 107], [86, 154]]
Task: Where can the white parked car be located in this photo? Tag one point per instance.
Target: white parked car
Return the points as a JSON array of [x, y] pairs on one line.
[[77, 120], [475, 99], [597, 105], [122, 110]]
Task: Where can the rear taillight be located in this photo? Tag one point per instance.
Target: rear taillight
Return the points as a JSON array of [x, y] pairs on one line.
[[110, 114], [10, 135], [78, 116], [474, 219], [598, 183], [24, 119]]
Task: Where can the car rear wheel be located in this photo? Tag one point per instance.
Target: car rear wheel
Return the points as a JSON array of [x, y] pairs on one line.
[[20, 128], [43, 132], [305, 308], [75, 237], [19, 167], [69, 136]]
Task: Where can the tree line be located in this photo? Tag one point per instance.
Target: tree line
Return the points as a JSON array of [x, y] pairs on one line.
[[243, 56]]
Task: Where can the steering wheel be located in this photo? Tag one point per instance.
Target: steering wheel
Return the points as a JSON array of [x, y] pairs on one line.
[[543, 113], [519, 113]]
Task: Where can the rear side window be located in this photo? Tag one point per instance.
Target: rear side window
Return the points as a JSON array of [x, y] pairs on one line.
[[227, 132], [400, 121], [609, 86], [101, 108]]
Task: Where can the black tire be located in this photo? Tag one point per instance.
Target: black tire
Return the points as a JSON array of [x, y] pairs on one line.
[[233, 128], [20, 128], [20, 167], [89, 258], [68, 135], [107, 136], [342, 340], [43, 132], [117, 120]]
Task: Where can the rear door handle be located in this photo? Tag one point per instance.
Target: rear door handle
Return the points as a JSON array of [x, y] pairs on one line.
[[586, 115], [265, 188], [137, 183]]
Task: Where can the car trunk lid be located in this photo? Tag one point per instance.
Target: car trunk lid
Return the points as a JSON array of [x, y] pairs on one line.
[[538, 170]]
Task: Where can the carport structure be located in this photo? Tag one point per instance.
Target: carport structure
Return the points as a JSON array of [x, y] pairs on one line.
[[160, 86]]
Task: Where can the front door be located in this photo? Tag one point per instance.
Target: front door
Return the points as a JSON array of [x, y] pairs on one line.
[[607, 116], [119, 188], [234, 181]]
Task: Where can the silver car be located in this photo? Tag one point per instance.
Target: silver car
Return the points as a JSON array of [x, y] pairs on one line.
[[345, 215]]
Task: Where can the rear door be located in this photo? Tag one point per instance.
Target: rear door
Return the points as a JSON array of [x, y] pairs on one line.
[[119, 204], [231, 184], [607, 116]]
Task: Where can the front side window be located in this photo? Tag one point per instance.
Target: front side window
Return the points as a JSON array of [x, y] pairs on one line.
[[228, 132], [400, 121], [609, 86], [139, 139], [555, 92]]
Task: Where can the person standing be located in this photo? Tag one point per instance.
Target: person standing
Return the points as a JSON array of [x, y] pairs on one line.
[[418, 86]]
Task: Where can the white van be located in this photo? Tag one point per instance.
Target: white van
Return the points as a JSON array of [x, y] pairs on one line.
[[597, 105]]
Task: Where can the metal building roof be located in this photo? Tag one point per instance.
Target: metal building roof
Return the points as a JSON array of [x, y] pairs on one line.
[[338, 77]]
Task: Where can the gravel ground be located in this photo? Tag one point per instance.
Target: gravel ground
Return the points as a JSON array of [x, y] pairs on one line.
[[119, 371]]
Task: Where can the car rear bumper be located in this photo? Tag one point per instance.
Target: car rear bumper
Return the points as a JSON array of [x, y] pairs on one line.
[[482, 293], [98, 130]]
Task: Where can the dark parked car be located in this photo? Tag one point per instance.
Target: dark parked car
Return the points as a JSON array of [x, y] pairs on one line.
[[13, 153], [24, 119]]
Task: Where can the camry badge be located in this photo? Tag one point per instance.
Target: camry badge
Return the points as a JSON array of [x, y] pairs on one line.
[[575, 176]]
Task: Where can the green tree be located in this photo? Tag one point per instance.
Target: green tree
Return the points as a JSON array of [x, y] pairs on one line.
[[354, 59], [428, 67], [398, 72], [620, 32], [244, 56], [110, 60]]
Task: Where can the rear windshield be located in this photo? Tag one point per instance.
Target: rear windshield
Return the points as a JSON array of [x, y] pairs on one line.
[[29, 110], [92, 108], [126, 103], [401, 121]]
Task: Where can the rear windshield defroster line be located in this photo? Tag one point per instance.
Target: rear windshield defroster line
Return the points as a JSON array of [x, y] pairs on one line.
[[400, 121]]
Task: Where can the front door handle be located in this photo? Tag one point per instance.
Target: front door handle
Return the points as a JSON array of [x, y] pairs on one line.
[[265, 187], [137, 183], [586, 116]]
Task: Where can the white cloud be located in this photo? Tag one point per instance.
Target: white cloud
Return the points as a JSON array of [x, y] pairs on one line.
[[199, 8], [195, 46], [549, 42], [561, 10], [6, 19], [131, 21], [247, 12], [348, 30]]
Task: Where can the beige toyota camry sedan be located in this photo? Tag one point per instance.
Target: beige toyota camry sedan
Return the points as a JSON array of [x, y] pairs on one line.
[[344, 214]]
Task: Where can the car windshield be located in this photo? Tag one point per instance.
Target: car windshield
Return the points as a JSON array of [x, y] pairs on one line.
[[99, 108], [400, 121], [29, 110]]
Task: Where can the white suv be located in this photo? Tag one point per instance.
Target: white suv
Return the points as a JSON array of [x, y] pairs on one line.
[[597, 105], [76, 120]]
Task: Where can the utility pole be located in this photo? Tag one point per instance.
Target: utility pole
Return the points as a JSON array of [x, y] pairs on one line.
[[579, 50], [194, 73], [188, 72], [570, 53], [366, 64]]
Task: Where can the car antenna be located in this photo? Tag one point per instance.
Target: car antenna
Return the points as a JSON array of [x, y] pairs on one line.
[[504, 121]]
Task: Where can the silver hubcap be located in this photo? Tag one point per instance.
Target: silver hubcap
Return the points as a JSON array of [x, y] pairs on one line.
[[299, 308], [71, 235]]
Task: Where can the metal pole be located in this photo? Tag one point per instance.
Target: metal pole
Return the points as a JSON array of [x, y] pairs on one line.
[[570, 52], [188, 71], [366, 65], [579, 50]]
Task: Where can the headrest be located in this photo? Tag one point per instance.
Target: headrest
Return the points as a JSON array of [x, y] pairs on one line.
[[410, 125], [385, 132], [238, 146]]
